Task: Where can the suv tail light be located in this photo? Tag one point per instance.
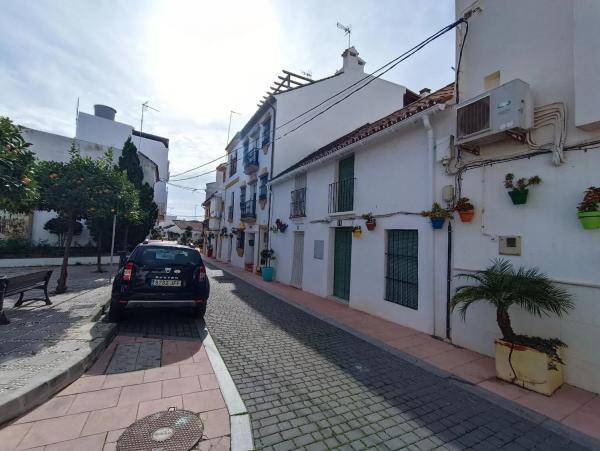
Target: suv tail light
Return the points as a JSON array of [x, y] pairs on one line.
[[201, 274], [128, 271]]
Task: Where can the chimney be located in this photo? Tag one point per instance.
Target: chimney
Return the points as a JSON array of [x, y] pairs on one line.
[[105, 111], [424, 92], [352, 61]]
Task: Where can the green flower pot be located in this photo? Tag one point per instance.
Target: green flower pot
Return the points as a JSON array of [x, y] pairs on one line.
[[519, 196], [589, 219]]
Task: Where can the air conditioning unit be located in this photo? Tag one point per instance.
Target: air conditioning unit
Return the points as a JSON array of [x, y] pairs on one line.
[[486, 118]]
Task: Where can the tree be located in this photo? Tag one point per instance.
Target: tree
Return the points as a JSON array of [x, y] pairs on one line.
[[135, 230], [75, 191], [58, 226], [186, 236], [17, 170]]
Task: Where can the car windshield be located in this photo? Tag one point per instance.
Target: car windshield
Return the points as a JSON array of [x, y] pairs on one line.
[[164, 256]]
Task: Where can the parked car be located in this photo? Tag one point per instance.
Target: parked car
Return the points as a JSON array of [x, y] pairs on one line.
[[160, 274]]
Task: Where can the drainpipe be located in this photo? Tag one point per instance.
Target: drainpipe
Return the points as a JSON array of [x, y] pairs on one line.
[[271, 176], [431, 196], [448, 280]]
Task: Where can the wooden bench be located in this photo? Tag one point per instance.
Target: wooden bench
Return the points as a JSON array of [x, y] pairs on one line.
[[19, 285]]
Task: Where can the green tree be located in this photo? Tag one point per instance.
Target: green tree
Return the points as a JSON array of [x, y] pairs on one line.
[[58, 226], [135, 229], [17, 170], [186, 236]]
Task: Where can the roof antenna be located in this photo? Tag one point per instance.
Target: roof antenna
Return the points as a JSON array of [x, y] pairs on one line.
[[145, 107], [307, 73], [347, 31]]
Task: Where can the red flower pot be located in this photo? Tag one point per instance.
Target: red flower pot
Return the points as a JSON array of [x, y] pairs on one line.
[[371, 225], [466, 216]]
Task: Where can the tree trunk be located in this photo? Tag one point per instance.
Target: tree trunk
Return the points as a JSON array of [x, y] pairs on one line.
[[62, 280], [504, 324], [99, 254]]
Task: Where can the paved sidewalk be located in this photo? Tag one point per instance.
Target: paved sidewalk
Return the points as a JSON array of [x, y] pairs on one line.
[[133, 378], [305, 382], [46, 347]]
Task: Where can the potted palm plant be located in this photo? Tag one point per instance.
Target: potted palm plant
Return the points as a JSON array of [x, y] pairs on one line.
[[437, 215], [465, 209], [267, 271], [518, 190], [530, 362], [588, 211], [370, 221]]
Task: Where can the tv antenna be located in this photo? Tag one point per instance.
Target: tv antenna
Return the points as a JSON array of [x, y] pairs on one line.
[[307, 73], [145, 107], [347, 31]]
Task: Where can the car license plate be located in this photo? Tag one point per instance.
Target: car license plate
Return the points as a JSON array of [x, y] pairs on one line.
[[166, 283]]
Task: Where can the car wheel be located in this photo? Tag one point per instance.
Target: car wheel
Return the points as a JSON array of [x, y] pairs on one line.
[[199, 311], [116, 312]]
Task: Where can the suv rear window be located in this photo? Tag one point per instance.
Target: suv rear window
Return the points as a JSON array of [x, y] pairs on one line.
[[159, 256]]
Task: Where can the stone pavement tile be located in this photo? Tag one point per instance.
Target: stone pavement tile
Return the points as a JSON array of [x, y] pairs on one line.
[[11, 436], [84, 384], [149, 355], [563, 402], [192, 369], [54, 430], [412, 340], [95, 400], [203, 401], [429, 349], [54, 407], [587, 418], [477, 370], [453, 358], [125, 339], [113, 436], [504, 389], [176, 358], [215, 444], [124, 358], [123, 379], [148, 407], [110, 419], [161, 374], [110, 447], [99, 367], [180, 386], [208, 381], [216, 423], [200, 355], [134, 394], [89, 443]]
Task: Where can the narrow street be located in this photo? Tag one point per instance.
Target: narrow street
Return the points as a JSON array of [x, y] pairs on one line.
[[309, 385]]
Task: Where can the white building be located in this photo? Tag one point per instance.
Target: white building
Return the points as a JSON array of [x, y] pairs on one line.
[[272, 140], [102, 128], [544, 57]]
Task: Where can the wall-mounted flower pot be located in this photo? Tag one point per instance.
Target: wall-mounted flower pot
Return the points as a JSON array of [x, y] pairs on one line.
[[528, 368], [267, 273], [518, 196], [356, 232], [240, 252], [466, 216], [589, 219], [437, 223], [371, 225]]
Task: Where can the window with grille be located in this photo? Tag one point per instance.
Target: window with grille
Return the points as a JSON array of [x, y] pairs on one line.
[[401, 272]]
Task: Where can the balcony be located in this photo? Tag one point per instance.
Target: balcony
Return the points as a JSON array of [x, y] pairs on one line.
[[214, 224], [341, 196], [230, 213], [251, 160], [298, 203], [248, 209], [262, 192], [233, 166]]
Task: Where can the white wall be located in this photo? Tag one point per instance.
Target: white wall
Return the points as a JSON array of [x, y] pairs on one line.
[[538, 48]]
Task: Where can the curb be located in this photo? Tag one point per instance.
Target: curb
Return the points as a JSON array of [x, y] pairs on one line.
[[44, 386], [504, 403], [241, 431]]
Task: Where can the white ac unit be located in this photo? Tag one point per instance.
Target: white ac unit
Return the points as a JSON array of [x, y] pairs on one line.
[[486, 118]]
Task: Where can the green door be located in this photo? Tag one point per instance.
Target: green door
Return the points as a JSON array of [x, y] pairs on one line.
[[345, 196], [342, 255]]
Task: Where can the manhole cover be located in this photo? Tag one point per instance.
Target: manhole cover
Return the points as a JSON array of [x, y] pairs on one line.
[[172, 430]]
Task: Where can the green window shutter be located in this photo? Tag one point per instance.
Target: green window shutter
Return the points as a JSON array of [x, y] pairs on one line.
[[402, 263]]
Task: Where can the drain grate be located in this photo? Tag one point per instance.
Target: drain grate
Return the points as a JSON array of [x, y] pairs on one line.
[[171, 430]]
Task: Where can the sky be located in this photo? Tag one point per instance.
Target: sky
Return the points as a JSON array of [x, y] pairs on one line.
[[195, 61]]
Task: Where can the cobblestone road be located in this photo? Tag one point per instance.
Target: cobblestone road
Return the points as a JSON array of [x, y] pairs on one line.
[[309, 385]]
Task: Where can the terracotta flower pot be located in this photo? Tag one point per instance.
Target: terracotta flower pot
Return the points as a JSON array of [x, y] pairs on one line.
[[371, 225], [466, 216]]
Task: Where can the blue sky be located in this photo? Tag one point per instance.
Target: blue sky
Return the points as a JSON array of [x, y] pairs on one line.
[[197, 60]]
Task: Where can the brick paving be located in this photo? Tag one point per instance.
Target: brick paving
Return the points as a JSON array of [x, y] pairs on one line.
[[309, 385], [92, 413]]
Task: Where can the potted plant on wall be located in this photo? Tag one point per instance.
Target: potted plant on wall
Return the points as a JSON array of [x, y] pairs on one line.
[[356, 231], [437, 215], [588, 211], [530, 362], [371, 222], [518, 191], [465, 209], [267, 270]]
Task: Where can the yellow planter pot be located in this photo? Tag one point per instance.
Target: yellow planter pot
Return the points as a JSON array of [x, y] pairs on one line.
[[528, 368]]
